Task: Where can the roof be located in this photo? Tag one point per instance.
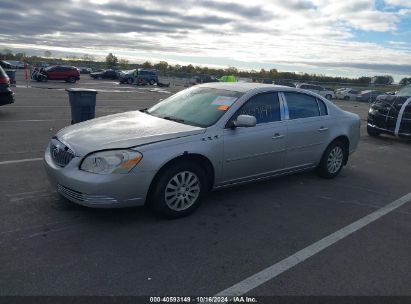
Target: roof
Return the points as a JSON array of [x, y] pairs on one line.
[[242, 87]]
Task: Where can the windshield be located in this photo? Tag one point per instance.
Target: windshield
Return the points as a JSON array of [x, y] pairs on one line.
[[196, 106], [405, 91]]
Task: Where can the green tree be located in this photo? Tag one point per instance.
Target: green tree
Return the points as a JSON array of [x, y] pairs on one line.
[[111, 61], [147, 65], [123, 64], [405, 81], [47, 53], [383, 79], [163, 65]]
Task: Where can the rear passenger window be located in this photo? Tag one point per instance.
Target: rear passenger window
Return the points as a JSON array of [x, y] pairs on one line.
[[265, 107], [323, 107], [301, 105]]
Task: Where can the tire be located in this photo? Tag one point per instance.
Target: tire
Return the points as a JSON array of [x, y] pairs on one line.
[[152, 82], [99, 77], [328, 96], [372, 132], [346, 97], [177, 203], [130, 80], [332, 160], [71, 79]]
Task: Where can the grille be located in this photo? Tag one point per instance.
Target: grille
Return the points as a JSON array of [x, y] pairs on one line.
[[60, 154]]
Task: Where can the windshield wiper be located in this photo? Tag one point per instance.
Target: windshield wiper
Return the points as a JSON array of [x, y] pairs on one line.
[[174, 119]]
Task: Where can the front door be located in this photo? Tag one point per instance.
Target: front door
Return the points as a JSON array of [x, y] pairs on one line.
[[256, 151]]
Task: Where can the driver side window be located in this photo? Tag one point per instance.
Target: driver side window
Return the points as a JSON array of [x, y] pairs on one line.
[[265, 107]]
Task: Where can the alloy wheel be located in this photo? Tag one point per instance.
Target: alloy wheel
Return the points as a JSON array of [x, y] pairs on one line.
[[182, 191], [335, 159]]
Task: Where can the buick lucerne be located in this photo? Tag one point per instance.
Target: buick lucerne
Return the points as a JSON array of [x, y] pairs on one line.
[[206, 137]]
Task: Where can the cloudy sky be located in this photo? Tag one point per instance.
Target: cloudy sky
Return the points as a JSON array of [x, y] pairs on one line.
[[333, 37]]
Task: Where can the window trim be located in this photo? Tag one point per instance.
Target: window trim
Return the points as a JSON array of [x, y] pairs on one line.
[[282, 116]]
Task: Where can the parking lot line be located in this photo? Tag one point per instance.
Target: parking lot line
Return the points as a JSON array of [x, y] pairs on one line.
[[7, 162], [278, 268]]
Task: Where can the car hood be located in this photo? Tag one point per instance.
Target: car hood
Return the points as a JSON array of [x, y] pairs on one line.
[[123, 130]]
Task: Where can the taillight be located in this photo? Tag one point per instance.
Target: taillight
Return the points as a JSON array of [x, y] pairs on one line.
[[4, 80]]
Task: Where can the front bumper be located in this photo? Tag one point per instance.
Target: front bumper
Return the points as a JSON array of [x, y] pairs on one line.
[[389, 132], [98, 190]]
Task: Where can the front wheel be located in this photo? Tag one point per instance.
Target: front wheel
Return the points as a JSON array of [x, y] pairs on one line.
[[130, 80], [178, 190], [152, 82], [328, 96], [346, 97], [332, 160]]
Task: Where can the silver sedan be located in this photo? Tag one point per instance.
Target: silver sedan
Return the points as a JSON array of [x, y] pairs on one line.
[[203, 138]]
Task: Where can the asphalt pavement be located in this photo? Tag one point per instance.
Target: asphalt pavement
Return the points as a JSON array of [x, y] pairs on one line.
[[49, 246]]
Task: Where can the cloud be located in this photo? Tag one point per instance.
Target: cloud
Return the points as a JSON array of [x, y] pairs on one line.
[[307, 32]]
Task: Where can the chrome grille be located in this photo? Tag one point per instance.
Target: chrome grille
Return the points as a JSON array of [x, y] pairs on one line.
[[60, 154]]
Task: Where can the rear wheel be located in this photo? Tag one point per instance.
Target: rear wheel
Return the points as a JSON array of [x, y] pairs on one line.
[[130, 80], [346, 97], [373, 132], [178, 190], [332, 160], [99, 77], [151, 82], [71, 79]]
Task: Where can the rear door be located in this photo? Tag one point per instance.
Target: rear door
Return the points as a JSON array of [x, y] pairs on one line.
[[308, 129], [256, 151]]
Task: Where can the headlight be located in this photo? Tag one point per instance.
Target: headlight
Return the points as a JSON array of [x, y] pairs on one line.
[[113, 161]]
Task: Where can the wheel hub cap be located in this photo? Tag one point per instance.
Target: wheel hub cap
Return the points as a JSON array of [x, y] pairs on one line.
[[182, 191], [335, 159]]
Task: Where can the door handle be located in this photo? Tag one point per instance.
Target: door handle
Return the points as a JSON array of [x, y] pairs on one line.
[[277, 136], [322, 129]]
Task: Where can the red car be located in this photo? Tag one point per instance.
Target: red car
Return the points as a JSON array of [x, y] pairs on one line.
[[60, 72]]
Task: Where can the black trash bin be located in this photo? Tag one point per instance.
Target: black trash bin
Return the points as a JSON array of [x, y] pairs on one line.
[[12, 76], [83, 104]]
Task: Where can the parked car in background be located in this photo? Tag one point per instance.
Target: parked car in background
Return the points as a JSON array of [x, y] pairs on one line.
[[285, 83], [84, 70], [347, 94], [61, 72], [5, 64], [6, 94], [126, 76], [203, 79], [368, 95], [206, 137], [104, 74], [329, 94], [149, 76], [391, 114], [17, 64]]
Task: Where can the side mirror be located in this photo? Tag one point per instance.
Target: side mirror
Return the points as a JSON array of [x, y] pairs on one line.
[[245, 121]]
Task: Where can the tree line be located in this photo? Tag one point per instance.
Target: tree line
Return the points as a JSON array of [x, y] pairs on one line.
[[113, 62]]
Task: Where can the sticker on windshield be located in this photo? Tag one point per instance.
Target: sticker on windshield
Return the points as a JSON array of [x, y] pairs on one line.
[[223, 108], [224, 101]]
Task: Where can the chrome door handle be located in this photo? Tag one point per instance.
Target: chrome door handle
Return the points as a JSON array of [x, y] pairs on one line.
[[322, 129], [277, 136]]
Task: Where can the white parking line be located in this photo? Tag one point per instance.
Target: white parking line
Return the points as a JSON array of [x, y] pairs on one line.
[[7, 162], [278, 268]]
